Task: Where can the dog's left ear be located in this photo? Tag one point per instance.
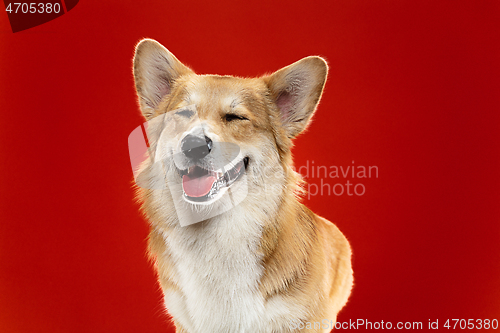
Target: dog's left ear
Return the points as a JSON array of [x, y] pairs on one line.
[[296, 90]]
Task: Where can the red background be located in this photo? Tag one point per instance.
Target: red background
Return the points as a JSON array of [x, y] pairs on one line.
[[414, 89]]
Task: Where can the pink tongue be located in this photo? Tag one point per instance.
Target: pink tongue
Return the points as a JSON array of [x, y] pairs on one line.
[[197, 186]]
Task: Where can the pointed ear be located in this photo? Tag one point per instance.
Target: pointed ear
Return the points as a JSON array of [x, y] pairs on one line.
[[296, 90], [155, 70]]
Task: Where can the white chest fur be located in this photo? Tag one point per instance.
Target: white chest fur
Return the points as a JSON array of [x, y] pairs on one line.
[[218, 271]]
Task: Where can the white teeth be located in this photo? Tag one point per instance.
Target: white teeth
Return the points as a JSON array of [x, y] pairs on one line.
[[223, 179]]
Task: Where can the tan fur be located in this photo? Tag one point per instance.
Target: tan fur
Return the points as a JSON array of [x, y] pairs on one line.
[[302, 261]]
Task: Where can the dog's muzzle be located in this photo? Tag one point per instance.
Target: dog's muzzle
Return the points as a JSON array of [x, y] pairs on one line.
[[200, 184]]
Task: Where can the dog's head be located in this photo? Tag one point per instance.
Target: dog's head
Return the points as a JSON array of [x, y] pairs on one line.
[[221, 141]]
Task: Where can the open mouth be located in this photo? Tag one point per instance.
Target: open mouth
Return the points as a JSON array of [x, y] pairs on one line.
[[200, 185]]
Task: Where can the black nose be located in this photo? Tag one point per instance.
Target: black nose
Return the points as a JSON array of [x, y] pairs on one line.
[[195, 147]]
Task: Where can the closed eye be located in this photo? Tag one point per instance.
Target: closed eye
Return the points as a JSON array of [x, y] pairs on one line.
[[232, 117], [186, 113]]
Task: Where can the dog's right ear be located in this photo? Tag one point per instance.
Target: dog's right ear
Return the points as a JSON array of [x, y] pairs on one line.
[[155, 70]]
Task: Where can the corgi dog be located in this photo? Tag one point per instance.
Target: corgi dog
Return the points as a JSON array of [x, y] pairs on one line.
[[234, 249]]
